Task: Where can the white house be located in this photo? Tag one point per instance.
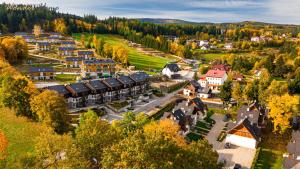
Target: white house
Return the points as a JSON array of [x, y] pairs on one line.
[[243, 134], [196, 90], [172, 71], [216, 78], [228, 46], [203, 43], [256, 39]]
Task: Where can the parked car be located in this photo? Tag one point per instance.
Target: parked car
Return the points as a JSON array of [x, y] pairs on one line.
[[227, 117], [227, 146], [237, 166]]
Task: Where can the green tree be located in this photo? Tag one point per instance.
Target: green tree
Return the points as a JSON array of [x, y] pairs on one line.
[[226, 89], [237, 92], [92, 136], [14, 94]]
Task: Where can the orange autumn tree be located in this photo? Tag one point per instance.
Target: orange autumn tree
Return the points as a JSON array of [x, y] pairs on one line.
[[3, 146]]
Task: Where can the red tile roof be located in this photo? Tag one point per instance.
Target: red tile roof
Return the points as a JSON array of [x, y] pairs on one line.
[[215, 73], [221, 67]]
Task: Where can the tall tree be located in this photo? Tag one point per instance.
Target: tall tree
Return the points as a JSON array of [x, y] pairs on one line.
[[282, 108], [51, 109], [237, 92], [60, 25], [226, 89]]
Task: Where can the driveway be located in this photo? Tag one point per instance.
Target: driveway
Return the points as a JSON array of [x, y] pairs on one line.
[[235, 154]]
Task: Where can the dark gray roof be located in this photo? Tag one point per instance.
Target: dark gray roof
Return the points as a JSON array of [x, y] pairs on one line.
[[98, 85], [126, 80], [85, 52], [139, 76], [43, 43], [173, 67], [66, 48], [41, 69], [195, 84], [199, 104], [74, 58], [252, 112], [179, 115], [20, 33], [293, 149], [61, 89], [98, 61], [68, 42], [114, 83], [253, 129], [79, 87]]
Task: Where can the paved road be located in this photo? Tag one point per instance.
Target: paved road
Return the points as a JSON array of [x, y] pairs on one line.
[[235, 154], [146, 108]]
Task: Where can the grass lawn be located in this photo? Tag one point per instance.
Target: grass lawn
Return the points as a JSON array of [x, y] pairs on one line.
[[211, 56], [136, 58], [20, 133], [272, 148], [66, 78], [269, 159], [193, 137]]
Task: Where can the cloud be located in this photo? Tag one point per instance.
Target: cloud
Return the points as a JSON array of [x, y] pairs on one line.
[[278, 11]]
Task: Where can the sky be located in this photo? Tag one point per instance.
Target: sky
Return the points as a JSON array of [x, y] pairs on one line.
[[217, 11]]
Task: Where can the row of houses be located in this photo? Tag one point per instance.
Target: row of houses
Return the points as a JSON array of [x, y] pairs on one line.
[[101, 91]]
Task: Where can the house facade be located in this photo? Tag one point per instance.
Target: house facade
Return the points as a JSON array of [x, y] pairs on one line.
[[43, 46], [194, 89], [102, 91], [68, 43], [215, 79], [246, 132], [73, 62], [66, 51], [86, 54], [40, 73], [171, 71], [97, 68]]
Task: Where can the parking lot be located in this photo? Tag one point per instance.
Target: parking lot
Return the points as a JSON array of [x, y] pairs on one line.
[[234, 154]]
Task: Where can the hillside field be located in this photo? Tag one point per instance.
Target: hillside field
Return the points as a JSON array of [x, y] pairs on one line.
[[136, 58]]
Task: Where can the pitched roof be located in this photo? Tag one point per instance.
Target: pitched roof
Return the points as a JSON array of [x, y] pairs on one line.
[[199, 104], [98, 85], [293, 149], [98, 61], [66, 48], [113, 82], [43, 43], [223, 67], [85, 52], [253, 129], [139, 76], [74, 59], [61, 89], [195, 84], [126, 80], [252, 112], [79, 87], [173, 67], [215, 73], [68, 42], [41, 69], [179, 115]]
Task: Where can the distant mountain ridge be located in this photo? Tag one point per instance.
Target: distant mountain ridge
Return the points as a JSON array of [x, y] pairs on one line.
[[180, 21]]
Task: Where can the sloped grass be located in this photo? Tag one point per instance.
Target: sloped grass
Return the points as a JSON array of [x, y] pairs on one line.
[[136, 58], [20, 133]]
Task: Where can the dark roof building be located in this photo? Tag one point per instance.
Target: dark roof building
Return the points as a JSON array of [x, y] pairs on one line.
[[85, 52], [139, 77], [253, 112], [113, 83], [173, 67], [61, 89], [78, 89], [292, 158], [253, 129], [68, 42], [98, 61], [98, 85], [66, 48], [127, 81], [73, 59], [40, 69]]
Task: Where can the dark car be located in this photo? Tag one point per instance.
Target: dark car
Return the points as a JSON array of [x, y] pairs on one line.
[[227, 146], [226, 117], [237, 166]]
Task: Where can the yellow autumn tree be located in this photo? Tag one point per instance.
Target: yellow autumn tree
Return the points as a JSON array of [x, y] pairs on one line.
[[60, 25], [165, 128], [282, 108], [51, 109], [37, 30]]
